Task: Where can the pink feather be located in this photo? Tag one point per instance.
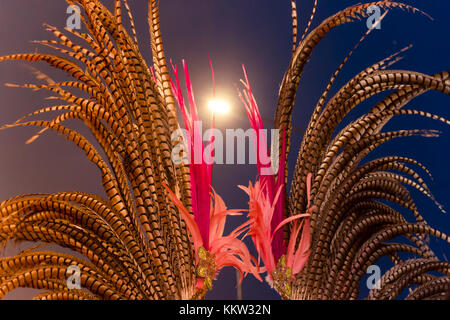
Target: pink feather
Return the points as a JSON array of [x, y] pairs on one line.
[[267, 202], [200, 170], [209, 210], [266, 175]]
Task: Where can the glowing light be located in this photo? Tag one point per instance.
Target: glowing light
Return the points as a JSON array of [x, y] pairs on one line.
[[219, 106]]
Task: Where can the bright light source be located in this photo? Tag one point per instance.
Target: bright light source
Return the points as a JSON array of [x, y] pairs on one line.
[[219, 106]]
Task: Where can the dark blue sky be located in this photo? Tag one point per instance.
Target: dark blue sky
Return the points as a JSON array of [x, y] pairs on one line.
[[256, 33]]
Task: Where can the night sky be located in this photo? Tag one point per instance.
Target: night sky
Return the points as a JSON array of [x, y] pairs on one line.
[[256, 33]]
